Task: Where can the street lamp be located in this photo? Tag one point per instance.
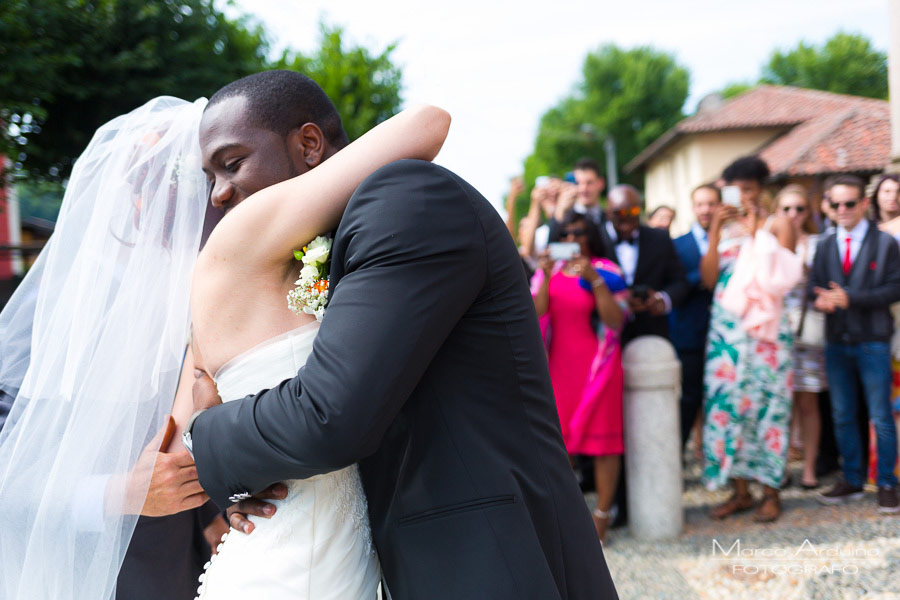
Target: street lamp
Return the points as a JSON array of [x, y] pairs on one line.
[[609, 148]]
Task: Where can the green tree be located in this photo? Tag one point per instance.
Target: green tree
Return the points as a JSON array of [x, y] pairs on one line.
[[68, 66], [845, 64], [364, 86], [632, 95]]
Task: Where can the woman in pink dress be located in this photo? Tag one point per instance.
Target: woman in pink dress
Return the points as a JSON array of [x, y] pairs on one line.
[[581, 314]]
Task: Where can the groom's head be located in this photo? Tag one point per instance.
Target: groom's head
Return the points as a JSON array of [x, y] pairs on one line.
[[263, 129]]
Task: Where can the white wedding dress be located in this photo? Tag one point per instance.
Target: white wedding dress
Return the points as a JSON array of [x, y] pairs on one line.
[[318, 545]]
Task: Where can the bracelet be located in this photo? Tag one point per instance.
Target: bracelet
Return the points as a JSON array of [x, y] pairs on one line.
[[598, 282]]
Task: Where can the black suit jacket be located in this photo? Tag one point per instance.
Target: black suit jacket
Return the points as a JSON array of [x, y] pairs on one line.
[[872, 286], [658, 267], [429, 371]]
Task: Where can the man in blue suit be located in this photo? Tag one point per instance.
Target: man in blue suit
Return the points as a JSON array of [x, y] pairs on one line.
[[689, 322]]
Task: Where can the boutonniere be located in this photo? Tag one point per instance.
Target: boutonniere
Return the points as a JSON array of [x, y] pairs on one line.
[[311, 294], [872, 266]]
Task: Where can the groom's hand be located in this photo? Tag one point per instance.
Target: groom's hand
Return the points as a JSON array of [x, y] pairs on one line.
[[173, 486], [237, 513], [206, 395]]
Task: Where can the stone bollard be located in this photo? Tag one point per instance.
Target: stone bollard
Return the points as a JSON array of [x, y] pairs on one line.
[[653, 438]]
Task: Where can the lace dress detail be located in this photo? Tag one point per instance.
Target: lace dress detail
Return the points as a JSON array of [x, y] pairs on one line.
[[318, 544]]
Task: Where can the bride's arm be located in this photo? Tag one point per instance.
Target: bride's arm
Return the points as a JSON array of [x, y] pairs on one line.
[[264, 229]]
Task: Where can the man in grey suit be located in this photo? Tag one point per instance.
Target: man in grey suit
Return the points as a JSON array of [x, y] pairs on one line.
[[855, 278]]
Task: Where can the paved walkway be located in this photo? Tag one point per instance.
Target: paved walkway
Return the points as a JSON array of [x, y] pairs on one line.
[[813, 551]]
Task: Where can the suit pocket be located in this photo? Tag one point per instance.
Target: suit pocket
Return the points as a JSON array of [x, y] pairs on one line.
[[445, 511]]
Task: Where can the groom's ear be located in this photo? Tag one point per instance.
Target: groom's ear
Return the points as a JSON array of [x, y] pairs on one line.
[[306, 146]]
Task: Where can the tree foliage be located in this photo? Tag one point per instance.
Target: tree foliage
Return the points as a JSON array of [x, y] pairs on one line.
[[68, 66], [71, 65], [845, 64], [632, 95], [365, 87]]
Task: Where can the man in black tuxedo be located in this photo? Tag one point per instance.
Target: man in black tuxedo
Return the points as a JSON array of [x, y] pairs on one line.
[[429, 371], [648, 259]]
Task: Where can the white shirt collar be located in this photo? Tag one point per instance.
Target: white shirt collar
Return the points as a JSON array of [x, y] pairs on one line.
[[857, 234], [614, 236]]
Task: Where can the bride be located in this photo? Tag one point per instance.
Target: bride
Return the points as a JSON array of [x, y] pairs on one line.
[[98, 363]]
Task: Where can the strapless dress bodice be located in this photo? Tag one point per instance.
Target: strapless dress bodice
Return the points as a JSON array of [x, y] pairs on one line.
[[266, 364], [318, 544]]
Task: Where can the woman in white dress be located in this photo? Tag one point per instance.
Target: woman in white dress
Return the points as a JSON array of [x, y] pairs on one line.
[[318, 544], [110, 323]]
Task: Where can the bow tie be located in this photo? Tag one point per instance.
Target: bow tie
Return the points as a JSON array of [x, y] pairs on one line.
[[630, 241]]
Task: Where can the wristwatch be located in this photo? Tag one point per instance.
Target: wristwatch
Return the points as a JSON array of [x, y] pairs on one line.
[[186, 438]]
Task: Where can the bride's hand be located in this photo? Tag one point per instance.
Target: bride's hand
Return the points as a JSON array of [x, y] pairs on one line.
[[205, 393], [237, 513]]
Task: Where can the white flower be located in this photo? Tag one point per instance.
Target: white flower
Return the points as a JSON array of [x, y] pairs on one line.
[[317, 251], [308, 274]]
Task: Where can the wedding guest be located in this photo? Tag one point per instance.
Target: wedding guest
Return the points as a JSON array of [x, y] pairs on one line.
[[748, 353], [583, 299], [649, 262], [689, 323], [884, 202], [855, 279], [589, 185], [807, 324], [661, 217], [543, 204], [516, 187]]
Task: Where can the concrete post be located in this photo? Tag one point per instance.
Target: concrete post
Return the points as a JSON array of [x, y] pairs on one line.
[[653, 438]]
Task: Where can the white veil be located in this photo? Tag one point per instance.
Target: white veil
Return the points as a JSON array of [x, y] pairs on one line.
[[93, 341]]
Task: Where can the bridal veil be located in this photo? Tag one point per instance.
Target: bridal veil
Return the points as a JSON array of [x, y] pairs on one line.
[[93, 341]]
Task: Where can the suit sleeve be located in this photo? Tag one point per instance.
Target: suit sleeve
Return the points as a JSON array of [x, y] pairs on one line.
[[888, 292], [414, 261], [676, 284], [818, 276]]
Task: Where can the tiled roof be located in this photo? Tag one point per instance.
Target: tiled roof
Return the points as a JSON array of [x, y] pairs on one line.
[[824, 132]]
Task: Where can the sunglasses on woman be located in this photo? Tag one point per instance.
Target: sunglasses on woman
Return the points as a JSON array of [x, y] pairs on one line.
[[797, 209]]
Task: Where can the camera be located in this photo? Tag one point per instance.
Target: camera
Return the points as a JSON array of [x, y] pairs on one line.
[[640, 291], [563, 250], [731, 195]]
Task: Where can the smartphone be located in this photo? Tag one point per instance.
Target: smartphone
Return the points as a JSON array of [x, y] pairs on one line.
[[640, 291], [731, 195], [563, 250], [541, 181]]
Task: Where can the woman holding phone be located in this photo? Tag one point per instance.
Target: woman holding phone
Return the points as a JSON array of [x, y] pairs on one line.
[[748, 374], [579, 301]]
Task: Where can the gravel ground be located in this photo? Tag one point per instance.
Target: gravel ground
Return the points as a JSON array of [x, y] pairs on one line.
[[846, 552]]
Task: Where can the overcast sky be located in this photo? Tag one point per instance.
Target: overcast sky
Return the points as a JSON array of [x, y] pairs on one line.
[[498, 65]]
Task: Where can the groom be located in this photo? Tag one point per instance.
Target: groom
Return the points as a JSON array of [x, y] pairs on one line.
[[428, 371]]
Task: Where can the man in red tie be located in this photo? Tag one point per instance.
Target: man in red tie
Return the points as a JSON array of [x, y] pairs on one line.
[[855, 278]]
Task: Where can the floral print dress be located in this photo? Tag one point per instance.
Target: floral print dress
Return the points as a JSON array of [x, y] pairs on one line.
[[747, 390]]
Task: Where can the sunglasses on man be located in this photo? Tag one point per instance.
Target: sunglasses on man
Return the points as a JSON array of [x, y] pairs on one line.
[[624, 213], [849, 204]]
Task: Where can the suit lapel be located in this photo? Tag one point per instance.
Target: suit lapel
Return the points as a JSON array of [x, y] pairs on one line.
[[643, 250]]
